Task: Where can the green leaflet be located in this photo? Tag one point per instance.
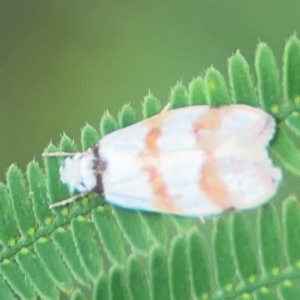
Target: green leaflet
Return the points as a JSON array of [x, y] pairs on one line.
[[15, 279], [5, 291], [198, 263], [269, 236], [37, 274], [179, 269], [110, 234], [197, 92], [137, 280], [240, 81], [101, 288], [244, 249], [224, 259], [54, 264], [92, 250], [7, 219], [21, 205], [118, 289], [216, 88], [179, 97], [78, 295], [64, 242], [159, 275], [268, 80], [291, 71], [86, 245], [89, 137]]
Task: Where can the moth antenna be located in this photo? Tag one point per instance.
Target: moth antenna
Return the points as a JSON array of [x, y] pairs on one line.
[[66, 201], [49, 154]]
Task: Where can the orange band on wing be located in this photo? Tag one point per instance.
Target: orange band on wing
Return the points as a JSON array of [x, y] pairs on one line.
[[162, 199], [149, 159], [205, 129], [212, 186], [151, 141], [208, 122]]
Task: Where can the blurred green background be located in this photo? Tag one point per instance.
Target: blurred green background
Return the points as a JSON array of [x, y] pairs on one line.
[[62, 63]]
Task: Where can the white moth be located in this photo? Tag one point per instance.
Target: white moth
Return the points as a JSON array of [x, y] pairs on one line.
[[193, 161]]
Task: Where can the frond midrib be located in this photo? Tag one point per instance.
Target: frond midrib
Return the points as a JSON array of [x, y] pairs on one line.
[[67, 214]]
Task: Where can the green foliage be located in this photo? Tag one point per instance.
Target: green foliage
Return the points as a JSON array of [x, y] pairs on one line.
[[92, 250]]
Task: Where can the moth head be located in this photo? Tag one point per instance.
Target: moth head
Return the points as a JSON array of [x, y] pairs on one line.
[[78, 172]]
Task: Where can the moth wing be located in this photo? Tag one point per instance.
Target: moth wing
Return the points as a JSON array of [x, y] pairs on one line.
[[170, 185], [185, 188], [162, 164], [250, 177], [247, 124]]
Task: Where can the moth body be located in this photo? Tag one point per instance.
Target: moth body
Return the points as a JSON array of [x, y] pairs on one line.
[[194, 161]]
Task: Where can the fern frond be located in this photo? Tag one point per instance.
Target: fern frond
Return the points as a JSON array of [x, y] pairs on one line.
[[92, 250]]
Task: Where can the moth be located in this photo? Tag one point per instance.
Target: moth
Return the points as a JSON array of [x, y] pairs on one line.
[[191, 161]]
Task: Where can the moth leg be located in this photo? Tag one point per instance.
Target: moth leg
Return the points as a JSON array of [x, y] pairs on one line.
[[66, 201]]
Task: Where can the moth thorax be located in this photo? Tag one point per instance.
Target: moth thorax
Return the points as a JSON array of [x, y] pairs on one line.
[[78, 172]]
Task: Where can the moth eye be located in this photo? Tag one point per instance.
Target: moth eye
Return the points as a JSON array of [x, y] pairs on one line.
[[82, 185]]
